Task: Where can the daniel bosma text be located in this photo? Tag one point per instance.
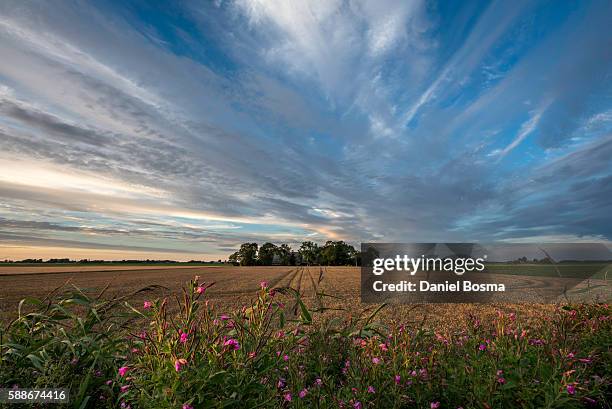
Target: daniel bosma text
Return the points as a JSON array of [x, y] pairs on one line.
[[426, 286]]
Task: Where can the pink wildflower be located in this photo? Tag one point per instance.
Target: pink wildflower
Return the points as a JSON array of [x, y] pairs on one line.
[[187, 406], [571, 389], [434, 405], [124, 388], [179, 364], [375, 360], [285, 357], [371, 389], [232, 343], [482, 347], [357, 405], [263, 285], [123, 370], [200, 289], [224, 317], [383, 347], [183, 338], [147, 305], [288, 397], [303, 393], [397, 379], [318, 382], [501, 380]]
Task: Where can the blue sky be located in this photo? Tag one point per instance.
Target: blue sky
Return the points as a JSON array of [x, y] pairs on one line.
[[179, 130]]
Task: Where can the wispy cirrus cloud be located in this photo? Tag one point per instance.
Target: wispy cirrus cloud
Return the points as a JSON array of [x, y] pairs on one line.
[[193, 127]]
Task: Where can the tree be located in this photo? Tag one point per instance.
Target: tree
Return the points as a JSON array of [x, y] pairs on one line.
[[338, 253], [266, 254], [309, 252], [233, 258], [246, 256], [284, 252], [333, 253]]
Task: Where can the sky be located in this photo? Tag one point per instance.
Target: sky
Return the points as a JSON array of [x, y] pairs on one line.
[[137, 129]]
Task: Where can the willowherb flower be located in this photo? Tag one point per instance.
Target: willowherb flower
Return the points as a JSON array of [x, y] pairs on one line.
[[285, 357], [224, 317], [303, 393], [571, 389], [281, 383], [318, 382], [187, 406], [232, 344], [288, 397], [123, 370], [179, 364], [357, 405], [383, 347], [147, 305], [183, 338], [263, 285], [482, 347], [371, 389], [124, 388], [434, 405], [397, 379], [200, 289], [375, 360], [501, 380]]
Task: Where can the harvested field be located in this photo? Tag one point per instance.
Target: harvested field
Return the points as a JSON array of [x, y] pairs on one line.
[[235, 286]]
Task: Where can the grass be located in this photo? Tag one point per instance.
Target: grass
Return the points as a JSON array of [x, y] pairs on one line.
[[278, 352]]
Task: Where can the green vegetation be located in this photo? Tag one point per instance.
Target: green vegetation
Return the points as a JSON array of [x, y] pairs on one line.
[[332, 253], [279, 353]]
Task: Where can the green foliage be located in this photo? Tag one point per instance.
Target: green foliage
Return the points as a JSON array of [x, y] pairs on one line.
[[265, 257], [333, 253], [269, 354], [71, 340], [309, 253], [338, 253], [246, 255]]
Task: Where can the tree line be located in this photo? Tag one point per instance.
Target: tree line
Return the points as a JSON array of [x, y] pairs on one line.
[[332, 253]]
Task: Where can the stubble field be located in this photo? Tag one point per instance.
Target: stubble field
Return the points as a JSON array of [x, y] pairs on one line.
[[237, 286]]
